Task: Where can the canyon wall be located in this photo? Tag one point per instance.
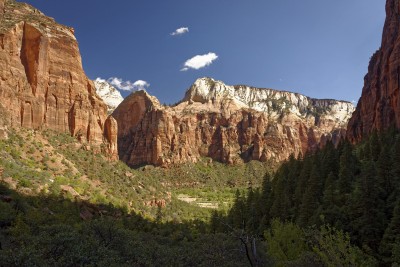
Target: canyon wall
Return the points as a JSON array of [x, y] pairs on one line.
[[227, 123], [379, 105], [42, 82]]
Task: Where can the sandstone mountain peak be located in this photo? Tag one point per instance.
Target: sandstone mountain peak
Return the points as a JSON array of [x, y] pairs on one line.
[[149, 99], [227, 123], [130, 111], [42, 82]]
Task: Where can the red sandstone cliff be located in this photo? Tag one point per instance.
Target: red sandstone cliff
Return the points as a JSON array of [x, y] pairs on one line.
[[227, 123], [379, 105], [42, 82]]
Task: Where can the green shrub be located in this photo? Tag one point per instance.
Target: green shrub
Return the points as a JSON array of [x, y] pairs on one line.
[[285, 242]]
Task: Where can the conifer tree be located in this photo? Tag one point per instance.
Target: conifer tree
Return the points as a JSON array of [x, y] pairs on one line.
[[384, 170], [301, 184], [252, 216], [391, 236], [292, 178], [329, 196], [263, 204], [332, 213], [266, 196], [281, 205], [395, 174], [310, 201], [330, 160], [374, 146], [215, 221], [237, 212], [347, 168], [368, 218]]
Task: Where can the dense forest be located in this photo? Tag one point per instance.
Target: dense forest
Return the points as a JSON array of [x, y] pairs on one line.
[[350, 193]]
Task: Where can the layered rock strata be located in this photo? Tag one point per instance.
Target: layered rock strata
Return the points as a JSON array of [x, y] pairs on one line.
[[42, 82], [227, 123], [379, 105]]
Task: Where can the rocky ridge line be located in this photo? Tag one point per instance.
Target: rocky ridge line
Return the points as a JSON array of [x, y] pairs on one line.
[[227, 123]]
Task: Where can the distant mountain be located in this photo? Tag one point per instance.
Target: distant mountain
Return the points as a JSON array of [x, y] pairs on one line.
[[270, 101], [227, 123], [110, 95]]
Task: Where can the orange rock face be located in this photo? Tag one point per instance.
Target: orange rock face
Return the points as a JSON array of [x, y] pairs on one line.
[[379, 105], [215, 120], [42, 82], [111, 135]]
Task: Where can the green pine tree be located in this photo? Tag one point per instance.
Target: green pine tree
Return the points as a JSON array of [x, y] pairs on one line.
[[391, 236], [384, 170], [367, 209], [374, 146], [330, 160], [280, 207], [237, 213], [310, 202], [347, 166], [301, 184], [394, 174]]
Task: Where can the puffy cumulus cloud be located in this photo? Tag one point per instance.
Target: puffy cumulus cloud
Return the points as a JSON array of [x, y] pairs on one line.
[[126, 85], [199, 61], [180, 31], [121, 84], [140, 85]]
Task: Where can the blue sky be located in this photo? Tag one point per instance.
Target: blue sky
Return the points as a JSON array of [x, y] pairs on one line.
[[319, 48]]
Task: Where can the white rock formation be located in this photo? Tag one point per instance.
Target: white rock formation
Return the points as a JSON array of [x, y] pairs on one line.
[[270, 101], [110, 95]]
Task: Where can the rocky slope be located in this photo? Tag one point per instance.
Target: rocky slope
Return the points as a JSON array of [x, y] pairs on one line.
[[227, 123], [42, 82], [379, 105], [108, 93]]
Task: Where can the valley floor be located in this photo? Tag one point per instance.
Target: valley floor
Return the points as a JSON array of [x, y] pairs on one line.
[[63, 204]]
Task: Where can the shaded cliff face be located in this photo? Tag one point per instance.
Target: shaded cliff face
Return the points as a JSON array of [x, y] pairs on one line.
[[379, 105], [42, 82], [227, 123]]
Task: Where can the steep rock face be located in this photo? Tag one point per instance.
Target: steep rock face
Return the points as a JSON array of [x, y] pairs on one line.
[[227, 123], [111, 135], [111, 96], [379, 105], [3, 124], [42, 82]]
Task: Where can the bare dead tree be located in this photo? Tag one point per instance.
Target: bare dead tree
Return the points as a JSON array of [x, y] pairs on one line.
[[249, 243]]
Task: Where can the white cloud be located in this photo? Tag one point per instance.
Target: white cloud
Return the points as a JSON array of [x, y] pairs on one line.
[[180, 31], [125, 85], [141, 85], [98, 79], [199, 61]]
